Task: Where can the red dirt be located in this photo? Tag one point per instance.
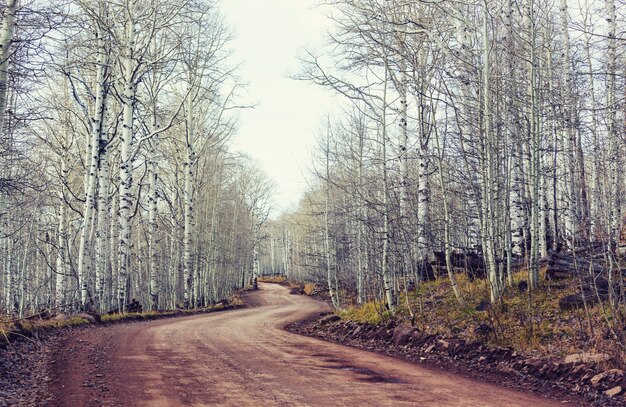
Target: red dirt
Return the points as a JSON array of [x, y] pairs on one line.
[[245, 357]]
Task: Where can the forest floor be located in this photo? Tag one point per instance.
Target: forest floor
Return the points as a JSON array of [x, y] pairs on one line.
[[234, 358]]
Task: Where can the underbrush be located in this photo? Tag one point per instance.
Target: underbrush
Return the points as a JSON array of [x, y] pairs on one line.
[[530, 322]]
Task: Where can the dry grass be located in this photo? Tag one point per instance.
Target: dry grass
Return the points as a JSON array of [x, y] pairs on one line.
[[28, 327], [273, 279], [309, 288], [236, 301]]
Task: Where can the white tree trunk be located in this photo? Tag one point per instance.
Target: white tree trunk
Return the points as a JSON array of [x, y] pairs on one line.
[[6, 40], [102, 233], [114, 249], [329, 258], [614, 141], [153, 227], [488, 205], [596, 195], [189, 270], [83, 262], [388, 278], [535, 156], [362, 215], [568, 134], [62, 261], [126, 164]]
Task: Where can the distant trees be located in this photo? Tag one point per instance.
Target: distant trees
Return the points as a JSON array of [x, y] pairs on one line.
[[135, 193], [482, 130]]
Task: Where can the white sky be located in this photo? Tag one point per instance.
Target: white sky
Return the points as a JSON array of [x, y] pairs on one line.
[[280, 131]]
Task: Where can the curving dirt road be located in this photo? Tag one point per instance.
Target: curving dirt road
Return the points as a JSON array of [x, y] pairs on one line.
[[245, 358]]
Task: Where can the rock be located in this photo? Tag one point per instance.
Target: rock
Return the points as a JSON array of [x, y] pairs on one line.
[[613, 391], [443, 344], [401, 335], [329, 319], [417, 337], [586, 358], [606, 376]]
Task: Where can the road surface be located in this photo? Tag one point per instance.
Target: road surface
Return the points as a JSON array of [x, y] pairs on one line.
[[245, 358]]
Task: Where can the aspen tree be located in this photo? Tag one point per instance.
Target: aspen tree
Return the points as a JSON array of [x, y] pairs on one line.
[[9, 16], [93, 155]]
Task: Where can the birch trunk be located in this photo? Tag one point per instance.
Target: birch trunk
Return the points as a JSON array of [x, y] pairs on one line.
[[83, 262], [388, 278], [329, 263], [568, 133], [535, 156], [596, 196], [488, 180], [6, 40], [126, 164], [62, 261], [423, 188], [614, 141], [188, 204], [362, 214], [114, 250], [153, 226]]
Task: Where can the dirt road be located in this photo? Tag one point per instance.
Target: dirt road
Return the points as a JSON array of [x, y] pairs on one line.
[[244, 358]]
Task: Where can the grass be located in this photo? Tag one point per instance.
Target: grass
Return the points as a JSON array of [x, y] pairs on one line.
[[371, 313]]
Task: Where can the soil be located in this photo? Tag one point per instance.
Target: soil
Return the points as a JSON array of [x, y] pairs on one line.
[[244, 357]]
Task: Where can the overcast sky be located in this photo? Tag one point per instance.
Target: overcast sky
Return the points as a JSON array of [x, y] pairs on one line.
[[280, 131]]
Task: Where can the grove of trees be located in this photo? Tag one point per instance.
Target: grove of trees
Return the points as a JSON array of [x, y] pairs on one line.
[[481, 132], [116, 177]]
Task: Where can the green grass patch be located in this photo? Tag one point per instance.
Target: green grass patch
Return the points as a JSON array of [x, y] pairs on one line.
[[372, 313]]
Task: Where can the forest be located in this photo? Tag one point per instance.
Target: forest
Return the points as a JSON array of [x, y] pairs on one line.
[[117, 180], [482, 145], [479, 143], [465, 208]]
